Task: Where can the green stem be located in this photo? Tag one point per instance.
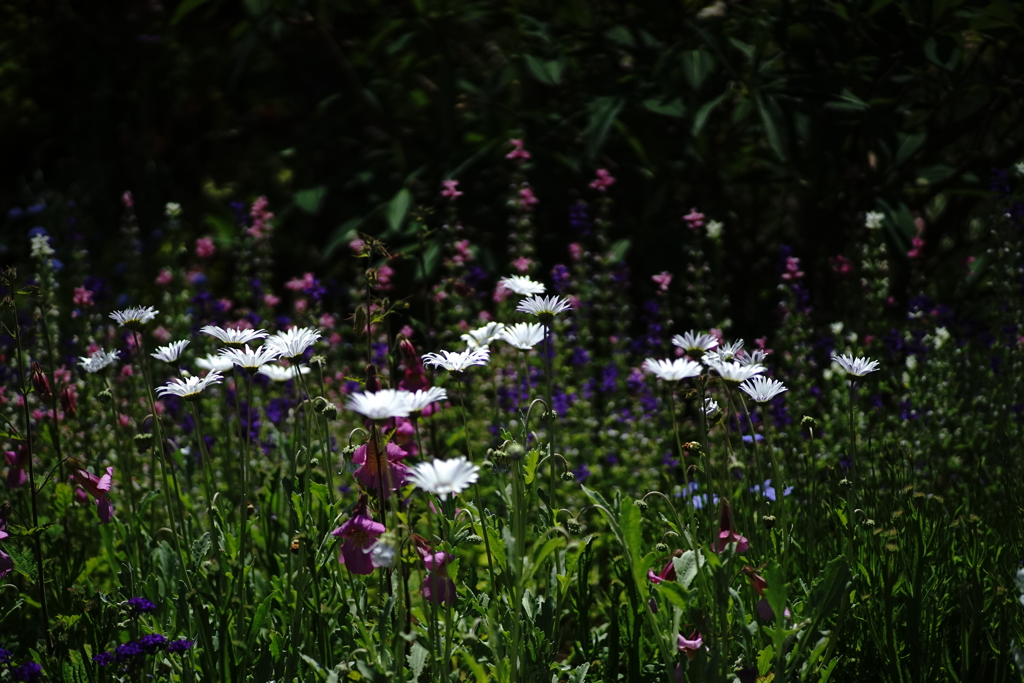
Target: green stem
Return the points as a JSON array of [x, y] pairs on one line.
[[476, 491]]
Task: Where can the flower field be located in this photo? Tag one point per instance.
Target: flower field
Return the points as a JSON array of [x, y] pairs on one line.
[[431, 470]]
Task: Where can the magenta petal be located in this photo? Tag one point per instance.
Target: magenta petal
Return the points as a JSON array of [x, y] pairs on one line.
[[16, 478], [354, 556], [105, 510], [6, 564], [438, 589], [654, 578]]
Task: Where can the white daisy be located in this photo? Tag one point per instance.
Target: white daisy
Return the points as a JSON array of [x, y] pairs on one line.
[[135, 316], [234, 337], [482, 337], [279, 373], [755, 357], [694, 341], [544, 307], [171, 352], [673, 370], [762, 389], [444, 477], [858, 367], [521, 284], [730, 370], [457, 362], [524, 336], [190, 387], [250, 360], [294, 342], [212, 362], [98, 360], [380, 405], [419, 400]]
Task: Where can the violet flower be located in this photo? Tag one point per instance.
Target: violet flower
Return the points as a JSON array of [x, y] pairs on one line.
[[360, 533], [725, 533], [6, 563], [369, 472], [18, 460], [98, 488], [437, 586]]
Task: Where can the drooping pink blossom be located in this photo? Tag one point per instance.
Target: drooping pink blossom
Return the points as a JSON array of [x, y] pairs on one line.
[[360, 532], [18, 461], [603, 181], [205, 248], [437, 586], [691, 645], [6, 563], [450, 190], [83, 297], [663, 280], [98, 488], [917, 245], [576, 251], [372, 467], [841, 265], [518, 153], [694, 219], [726, 535], [522, 264]]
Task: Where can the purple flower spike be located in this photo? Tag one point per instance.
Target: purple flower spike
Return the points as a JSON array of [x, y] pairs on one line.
[[360, 532]]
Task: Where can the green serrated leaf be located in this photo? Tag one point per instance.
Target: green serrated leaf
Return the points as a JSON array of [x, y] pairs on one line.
[[764, 660], [579, 674], [23, 562], [321, 492], [674, 593], [629, 522], [417, 659], [497, 547], [200, 547], [686, 567], [530, 465]]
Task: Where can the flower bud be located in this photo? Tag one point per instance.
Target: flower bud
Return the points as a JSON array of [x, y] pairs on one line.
[[661, 547], [67, 401], [641, 505], [573, 527], [808, 422], [143, 441], [769, 521], [105, 397], [568, 476], [515, 451], [474, 539], [372, 379], [41, 384]]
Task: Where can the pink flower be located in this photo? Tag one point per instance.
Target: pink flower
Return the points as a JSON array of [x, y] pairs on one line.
[[98, 488], [463, 252], [370, 468], [384, 274], [437, 586], [576, 251], [126, 199], [360, 532], [603, 181], [694, 219], [918, 244], [526, 198], [793, 271], [725, 533], [301, 305], [518, 152], [691, 645], [501, 292], [522, 264], [204, 247], [83, 297], [269, 300], [300, 283], [326, 321], [841, 264], [6, 563], [18, 460], [162, 334], [356, 244], [663, 280], [450, 191], [260, 219]]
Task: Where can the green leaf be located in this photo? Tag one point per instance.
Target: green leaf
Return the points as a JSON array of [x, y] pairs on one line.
[[63, 495], [776, 593], [847, 101], [701, 119], [674, 108], [547, 72], [23, 562], [257, 620], [200, 547], [774, 125], [497, 547], [185, 8], [674, 593], [603, 112], [907, 144], [311, 200], [621, 35], [321, 492], [697, 66], [530, 465], [398, 207], [619, 249], [4, 434], [764, 660], [686, 567], [417, 659], [629, 522], [579, 674]]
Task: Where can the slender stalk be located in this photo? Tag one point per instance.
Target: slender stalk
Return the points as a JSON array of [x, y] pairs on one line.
[[552, 478], [36, 543], [476, 492], [243, 544]]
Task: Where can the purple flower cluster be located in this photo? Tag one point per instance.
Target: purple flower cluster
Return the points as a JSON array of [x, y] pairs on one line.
[[132, 654], [141, 606]]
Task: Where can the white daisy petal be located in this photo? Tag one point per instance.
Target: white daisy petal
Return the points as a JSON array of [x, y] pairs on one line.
[[171, 352], [134, 316], [98, 360], [190, 387], [524, 336], [481, 338], [762, 389], [673, 370], [294, 341], [279, 373], [858, 367], [521, 284], [380, 405], [250, 360], [419, 400], [234, 337], [445, 477], [694, 341], [457, 362], [544, 306]]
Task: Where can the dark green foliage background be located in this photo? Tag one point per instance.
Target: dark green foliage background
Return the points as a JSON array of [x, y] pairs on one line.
[[785, 120]]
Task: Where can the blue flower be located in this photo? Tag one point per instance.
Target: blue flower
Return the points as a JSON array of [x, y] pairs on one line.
[[769, 490]]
